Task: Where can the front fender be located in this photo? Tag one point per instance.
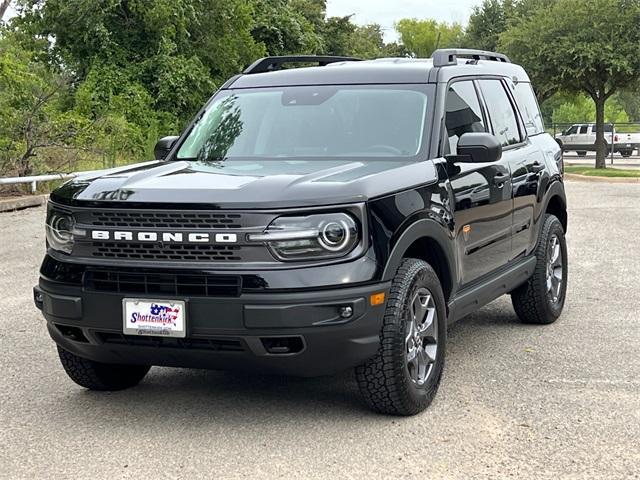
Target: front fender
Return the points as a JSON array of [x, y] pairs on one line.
[[429, 229]]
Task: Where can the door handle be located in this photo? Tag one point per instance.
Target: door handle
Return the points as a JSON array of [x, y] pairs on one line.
[[500, 179], [537, 167]]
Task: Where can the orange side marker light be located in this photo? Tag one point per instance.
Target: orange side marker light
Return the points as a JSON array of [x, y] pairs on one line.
[[377, 299]]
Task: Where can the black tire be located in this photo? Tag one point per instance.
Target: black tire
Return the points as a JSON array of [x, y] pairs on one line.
[[101, 376], [626, 153], [385, 381], [533, 301], [581, 153]]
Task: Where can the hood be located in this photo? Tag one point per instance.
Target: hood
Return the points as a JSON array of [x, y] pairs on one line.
[[246, 184]]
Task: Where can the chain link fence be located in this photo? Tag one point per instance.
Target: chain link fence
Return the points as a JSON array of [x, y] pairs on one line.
[[579, 139]]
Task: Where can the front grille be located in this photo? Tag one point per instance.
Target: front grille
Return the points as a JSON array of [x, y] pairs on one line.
[[134, 221], [214, 344], [138, 219], [157, 283], [166, 251]]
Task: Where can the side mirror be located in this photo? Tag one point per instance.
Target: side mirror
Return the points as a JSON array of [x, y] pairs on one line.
[[480, 147], [164, 146]]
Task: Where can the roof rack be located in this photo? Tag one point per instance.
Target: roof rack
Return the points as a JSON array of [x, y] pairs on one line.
[[271, 64], [449, 56]]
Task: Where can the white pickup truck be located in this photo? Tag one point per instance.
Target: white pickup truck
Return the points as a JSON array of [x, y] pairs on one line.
[[581, 138]]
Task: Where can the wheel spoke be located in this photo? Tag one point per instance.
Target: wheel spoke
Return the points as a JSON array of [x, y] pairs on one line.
[[412, 354], [420, 308], [423, 365], [427, 329], [414, 367], [410, 332], [421, 338], [552, 248]]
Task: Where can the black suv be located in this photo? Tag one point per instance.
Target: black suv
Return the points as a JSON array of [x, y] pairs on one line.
[[311, 220]]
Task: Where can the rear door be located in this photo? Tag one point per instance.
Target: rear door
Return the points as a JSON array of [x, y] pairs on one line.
[[522, 157], [529, 168], [581, 138], [481, 192]]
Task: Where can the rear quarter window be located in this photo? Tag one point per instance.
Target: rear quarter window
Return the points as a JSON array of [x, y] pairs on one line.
[[528, 106]]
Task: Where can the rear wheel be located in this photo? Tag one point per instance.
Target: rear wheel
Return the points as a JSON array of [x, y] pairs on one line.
[[403, 377], [541, 299], [101, 376], [626, 153]]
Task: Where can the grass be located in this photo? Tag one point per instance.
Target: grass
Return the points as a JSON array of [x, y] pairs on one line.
[[602, 172]]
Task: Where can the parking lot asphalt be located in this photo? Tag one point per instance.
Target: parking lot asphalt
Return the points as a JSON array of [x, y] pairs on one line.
[[557, 401]]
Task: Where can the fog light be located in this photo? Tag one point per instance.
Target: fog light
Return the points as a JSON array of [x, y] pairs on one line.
[[346, 312]]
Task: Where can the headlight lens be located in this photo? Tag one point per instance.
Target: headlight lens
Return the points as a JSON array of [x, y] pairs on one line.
[[314, 236], [60, 230]]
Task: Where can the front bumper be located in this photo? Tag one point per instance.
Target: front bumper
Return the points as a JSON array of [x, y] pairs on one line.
[[297, 333]]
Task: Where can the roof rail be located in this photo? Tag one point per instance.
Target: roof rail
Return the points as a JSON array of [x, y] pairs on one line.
[[449, 56], [271, 64]]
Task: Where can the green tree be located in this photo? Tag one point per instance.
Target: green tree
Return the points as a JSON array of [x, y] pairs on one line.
[[32, 116], [284, 30], [179, 50], [581, 109], [486, 23], [422, 37], [629, 98], [578, 46], [338, 33]]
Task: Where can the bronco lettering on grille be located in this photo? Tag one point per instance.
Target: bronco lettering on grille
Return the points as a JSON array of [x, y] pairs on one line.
[[165, 237]]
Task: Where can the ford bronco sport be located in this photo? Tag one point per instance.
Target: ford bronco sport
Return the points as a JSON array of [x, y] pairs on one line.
[[311, 220]]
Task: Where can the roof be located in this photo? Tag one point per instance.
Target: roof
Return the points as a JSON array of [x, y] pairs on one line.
[[379, 71]]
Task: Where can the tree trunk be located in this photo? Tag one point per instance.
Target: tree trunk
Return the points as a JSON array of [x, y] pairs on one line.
[[601, 146], [4, 5]]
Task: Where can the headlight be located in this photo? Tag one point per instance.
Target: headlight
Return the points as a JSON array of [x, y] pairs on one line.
[[60, 230], [314, 236]]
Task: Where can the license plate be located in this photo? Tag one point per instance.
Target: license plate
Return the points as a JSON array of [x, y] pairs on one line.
[[158, 318]]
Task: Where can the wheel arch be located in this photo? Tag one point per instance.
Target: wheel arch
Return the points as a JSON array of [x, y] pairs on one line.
[[556, 204], [429, 241]]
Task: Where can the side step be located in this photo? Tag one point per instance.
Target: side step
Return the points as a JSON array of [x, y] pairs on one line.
[[470, 299]]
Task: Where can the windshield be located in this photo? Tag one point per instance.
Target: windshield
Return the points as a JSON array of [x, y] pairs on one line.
[[318, 121]]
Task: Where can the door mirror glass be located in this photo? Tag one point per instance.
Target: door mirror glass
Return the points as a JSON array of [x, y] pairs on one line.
[[478, 148], [164, 146]]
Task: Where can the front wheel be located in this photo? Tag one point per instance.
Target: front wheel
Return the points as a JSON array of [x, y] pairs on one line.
[[541, 299], [101, 376], [626, 153], [403, 377]]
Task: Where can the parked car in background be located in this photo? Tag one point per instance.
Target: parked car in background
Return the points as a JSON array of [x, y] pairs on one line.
[[581, 138]]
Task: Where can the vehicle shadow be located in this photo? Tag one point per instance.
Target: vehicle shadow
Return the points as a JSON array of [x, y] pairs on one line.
[[188, 397]]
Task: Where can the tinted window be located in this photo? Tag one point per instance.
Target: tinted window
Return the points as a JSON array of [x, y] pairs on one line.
[[572, 130], [583, 129], [319, 121], [528, 106], [463, 113], [503, 118]]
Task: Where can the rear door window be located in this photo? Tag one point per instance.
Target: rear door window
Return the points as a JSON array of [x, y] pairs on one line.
[[503, 117], [529, 109]]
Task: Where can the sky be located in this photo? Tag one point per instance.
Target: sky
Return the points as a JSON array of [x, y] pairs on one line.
[[387, 12]]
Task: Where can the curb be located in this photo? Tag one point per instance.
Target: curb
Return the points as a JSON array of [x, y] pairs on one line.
[[18, 203], [587, 178]]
